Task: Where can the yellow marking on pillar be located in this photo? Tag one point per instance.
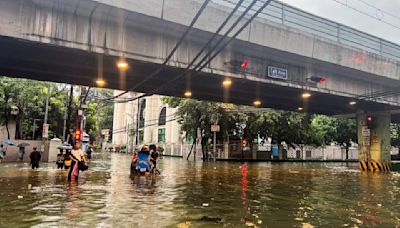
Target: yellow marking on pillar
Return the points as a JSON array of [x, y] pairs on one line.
[[360, 166], [376, 167], [363, 166], [371, 167], [380, 166]]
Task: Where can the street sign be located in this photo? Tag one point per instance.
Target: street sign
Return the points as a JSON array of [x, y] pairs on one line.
[[366, 132], [45, 133], [367, 141], [278, 73], [215, 128]]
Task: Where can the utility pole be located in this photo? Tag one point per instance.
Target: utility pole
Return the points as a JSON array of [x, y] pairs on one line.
[[69, 110]]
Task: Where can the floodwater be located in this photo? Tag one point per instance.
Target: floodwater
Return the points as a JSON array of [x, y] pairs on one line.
[[258, 195]]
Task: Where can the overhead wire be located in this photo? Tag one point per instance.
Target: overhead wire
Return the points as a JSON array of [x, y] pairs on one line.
[[366, 14], [204, 61], [188, 29]]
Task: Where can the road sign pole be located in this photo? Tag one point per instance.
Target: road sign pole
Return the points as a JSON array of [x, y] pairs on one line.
[[215, 146]]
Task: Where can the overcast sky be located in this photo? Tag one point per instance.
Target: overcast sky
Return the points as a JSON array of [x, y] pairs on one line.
[[389, 12]]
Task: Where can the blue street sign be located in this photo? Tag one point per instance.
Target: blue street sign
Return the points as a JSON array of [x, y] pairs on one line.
[[279, 73]]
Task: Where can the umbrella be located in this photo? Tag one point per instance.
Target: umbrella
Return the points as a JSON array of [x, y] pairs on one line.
[[7, 142], [23, 145], [64, 147]]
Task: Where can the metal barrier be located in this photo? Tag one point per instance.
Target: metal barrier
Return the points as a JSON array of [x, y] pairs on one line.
[[290, 16]]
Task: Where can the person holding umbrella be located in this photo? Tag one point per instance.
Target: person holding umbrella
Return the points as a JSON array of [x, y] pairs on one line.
[[21, 151], [2, 152]]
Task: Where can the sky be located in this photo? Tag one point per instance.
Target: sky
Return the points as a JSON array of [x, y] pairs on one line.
[[380, 10]]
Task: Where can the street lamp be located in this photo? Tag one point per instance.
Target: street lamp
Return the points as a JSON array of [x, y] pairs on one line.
[[227, 83], [257, 103], [100, 82], [188, 94], [306, 95], [122, 65]]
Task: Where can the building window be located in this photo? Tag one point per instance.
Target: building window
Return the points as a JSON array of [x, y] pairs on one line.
[[161, 135], [162, 119], [142, 114], [141, 136]]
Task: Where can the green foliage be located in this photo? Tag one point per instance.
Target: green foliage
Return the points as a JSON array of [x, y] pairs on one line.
[[290, 127], [30, 98]]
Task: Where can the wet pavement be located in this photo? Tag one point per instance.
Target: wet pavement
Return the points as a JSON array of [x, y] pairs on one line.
[[196, 194]]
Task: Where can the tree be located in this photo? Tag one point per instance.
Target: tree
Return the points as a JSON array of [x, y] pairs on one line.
[[195, 115]]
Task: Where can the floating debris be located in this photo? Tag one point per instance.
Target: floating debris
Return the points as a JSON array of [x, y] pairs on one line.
[[211, 219]]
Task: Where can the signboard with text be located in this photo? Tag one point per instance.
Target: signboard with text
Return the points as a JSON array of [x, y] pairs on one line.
[[45, 133], [215, 128], [278, 73]]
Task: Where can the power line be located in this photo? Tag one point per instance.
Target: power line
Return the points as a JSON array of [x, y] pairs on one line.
[[203, 64], [379, 10], [366, 14], [194, 20]]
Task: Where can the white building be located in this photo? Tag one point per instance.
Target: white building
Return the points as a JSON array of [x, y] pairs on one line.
[[154, 123]]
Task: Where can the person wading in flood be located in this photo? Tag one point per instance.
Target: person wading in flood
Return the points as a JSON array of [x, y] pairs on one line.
[[2, 152], [77, 156], [35, 158]]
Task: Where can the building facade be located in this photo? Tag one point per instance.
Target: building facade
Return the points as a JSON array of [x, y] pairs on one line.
[[144, 120]]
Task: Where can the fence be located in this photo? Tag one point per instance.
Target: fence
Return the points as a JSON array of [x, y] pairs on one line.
[[290, 16]]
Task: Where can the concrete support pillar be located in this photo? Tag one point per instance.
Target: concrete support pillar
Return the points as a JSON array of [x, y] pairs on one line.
[[374, 141]]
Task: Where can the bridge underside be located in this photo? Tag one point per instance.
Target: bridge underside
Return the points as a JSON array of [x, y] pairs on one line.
[[44, 62]]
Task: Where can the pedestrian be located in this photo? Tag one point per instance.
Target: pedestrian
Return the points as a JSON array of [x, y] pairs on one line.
[[35, 158], [67, 161], [77, 156], [21, 153], [89, 151], [60, 159], [154, 156], [2, 152]]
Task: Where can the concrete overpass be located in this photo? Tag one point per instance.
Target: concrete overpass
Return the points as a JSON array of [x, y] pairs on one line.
[[77, 41]]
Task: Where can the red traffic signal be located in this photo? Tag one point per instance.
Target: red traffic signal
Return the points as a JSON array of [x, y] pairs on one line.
[[245, 63], [244, 143], [318, 79], [371, 122], [78, 134]]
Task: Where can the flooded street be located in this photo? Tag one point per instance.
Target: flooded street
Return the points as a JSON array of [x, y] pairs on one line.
[[261, 194]]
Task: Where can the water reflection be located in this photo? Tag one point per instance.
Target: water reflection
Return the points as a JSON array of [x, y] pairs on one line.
[[254, 194]]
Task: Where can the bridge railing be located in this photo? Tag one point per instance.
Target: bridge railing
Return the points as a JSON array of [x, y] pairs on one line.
[[290, 16]]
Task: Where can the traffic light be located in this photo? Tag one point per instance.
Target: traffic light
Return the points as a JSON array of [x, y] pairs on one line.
[[318, 79], [78, 135], [244, 64], [244, 143], [371, 122]]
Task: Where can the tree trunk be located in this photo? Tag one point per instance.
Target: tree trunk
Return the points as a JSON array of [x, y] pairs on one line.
[[6, 115], [347, 152], [69, 112], [18, 127], [280, 151], [203, 149]]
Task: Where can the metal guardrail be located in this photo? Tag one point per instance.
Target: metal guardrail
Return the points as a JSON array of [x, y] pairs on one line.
[[290, 16]]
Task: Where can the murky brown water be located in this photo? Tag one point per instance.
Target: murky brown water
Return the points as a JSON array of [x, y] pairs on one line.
[[264, 195]]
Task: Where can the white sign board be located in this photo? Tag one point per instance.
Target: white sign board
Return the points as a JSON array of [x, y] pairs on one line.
[[105, 131], [215, 128], [45, 133], [366, 132]]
